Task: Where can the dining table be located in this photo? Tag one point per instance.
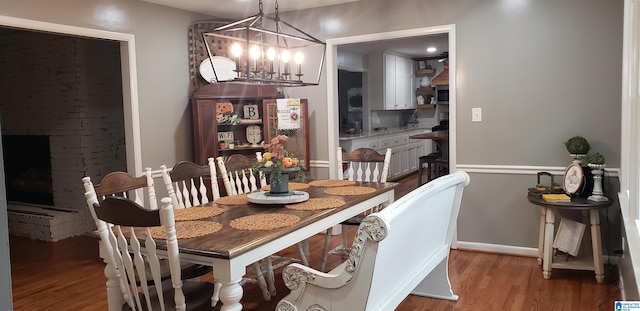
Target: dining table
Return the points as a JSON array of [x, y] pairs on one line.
[[229, 251]]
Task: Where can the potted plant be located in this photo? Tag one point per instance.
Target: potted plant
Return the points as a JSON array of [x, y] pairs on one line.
[[221, 144], [596, 159], [556, 186], [232, 144], [577, 145], [541, 187], [278, 164]]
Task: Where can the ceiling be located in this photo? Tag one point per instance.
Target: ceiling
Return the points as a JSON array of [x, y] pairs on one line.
[[414, 47], [234, 9]]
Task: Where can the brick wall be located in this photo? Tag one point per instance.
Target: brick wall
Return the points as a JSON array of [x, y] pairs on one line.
[[70, 89]]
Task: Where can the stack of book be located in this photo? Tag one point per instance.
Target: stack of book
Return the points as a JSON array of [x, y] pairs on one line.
[[556, 197]]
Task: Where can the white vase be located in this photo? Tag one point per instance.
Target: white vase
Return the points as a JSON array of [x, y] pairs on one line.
[[597, 195]]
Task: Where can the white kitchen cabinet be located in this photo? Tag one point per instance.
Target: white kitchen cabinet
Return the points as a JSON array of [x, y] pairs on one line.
[[395, 169], [404, 84], [404, 155], [373, 144], [413, 156], [390, 82], [419, 149]]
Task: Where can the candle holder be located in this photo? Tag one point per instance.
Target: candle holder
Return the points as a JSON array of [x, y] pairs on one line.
[[597, 195]]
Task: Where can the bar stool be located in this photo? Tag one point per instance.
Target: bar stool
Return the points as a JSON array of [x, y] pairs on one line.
[[429, 159], [442, 167]]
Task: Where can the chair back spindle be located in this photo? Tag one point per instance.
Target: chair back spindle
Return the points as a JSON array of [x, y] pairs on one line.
[[365, 164], [186, 183], [237, 175]]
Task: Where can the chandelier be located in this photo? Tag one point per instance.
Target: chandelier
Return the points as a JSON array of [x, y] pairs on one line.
[[264, 50]]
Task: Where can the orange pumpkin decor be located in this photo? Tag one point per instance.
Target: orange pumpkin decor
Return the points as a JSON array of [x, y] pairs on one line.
[[286, 162], [221, 108]]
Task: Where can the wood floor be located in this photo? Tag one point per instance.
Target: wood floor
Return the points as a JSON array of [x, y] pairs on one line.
[[68, 275]]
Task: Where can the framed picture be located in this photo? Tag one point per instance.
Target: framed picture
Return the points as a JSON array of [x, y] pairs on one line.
[[226, 136], [422, 64], [573, 178], [569, 236]]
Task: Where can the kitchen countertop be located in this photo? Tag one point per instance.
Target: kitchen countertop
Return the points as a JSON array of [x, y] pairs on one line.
[[389, 130]]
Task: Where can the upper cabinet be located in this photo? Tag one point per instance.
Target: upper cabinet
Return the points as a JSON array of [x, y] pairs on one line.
[[231, 113], [391, 84]]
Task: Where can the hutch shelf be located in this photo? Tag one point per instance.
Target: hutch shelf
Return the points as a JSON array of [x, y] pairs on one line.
[[246, 102]]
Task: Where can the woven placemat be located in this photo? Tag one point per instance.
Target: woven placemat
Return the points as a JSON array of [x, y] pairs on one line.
[[353, 190], [315, 204], [292, 186], [332, 183], [264, 221], [240, 199], [188, 229], [197, 212]]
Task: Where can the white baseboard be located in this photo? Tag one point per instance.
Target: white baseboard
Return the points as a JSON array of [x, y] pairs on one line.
[[496, 248], [515, 250]]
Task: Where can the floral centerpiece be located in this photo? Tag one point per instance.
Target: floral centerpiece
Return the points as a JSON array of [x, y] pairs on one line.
[[229, 118], [278, 163]]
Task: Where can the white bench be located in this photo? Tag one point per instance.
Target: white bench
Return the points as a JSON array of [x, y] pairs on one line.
[[401, 250]]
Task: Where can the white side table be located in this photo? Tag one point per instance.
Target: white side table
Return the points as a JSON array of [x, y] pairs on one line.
[[591, 212]]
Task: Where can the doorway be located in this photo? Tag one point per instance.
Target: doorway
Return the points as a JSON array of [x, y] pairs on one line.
[[130, 105], [350, 90], [333, 106]]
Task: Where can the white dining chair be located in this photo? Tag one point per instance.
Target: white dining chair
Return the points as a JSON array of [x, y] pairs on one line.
[[363, 164], [124, 226], [238, 179], [141, 190], [187, 187]]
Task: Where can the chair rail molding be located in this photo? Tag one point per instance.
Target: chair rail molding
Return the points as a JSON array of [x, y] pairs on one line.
[[319, 163], [521, 169]]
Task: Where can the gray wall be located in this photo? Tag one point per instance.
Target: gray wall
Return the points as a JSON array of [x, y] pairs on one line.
[[161, 56], [542, 71], [533, 67], [163, 76]]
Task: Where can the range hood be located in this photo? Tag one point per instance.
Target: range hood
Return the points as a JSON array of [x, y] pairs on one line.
[[443, 77]]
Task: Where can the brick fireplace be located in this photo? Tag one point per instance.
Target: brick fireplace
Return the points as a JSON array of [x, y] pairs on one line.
[[68, 90]]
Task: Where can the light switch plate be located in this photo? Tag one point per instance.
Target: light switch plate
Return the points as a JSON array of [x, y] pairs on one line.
[[476, 114]]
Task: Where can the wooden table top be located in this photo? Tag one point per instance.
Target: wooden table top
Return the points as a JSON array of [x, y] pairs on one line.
[[438, 135], [576, 202], [229, 242]]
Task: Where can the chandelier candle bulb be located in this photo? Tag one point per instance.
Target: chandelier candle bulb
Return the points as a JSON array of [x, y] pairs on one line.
[[255, 54], [286, 56], [236, 51], [271, 55], [299, 58]]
